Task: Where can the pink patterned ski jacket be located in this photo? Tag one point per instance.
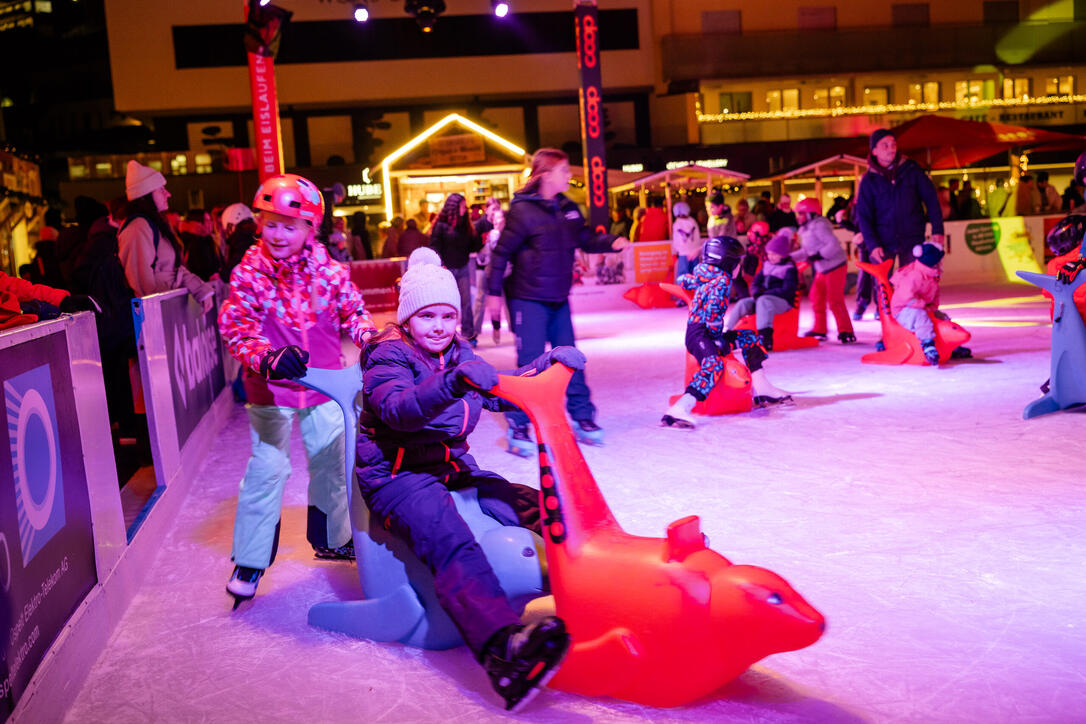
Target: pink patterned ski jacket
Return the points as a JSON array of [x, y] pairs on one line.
[[307, 300]]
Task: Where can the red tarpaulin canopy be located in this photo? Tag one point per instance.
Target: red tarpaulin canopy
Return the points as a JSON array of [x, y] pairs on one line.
[[942, 142]]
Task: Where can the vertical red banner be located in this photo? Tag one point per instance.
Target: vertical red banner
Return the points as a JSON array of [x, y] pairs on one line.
[[268, 147], [591, 97]]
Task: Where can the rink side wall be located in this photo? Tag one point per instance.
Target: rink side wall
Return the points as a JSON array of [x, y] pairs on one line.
[[185, 378]]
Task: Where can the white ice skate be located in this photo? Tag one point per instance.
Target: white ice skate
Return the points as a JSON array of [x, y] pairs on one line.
[[766, 393], [242, 584], [679, 415]]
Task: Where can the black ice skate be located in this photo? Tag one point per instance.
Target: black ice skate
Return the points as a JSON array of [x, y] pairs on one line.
[[242, 584], [588, 432], [344, 553], [521, 659]]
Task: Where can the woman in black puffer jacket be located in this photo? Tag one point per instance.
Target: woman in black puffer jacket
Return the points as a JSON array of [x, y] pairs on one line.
[[454, 239], [543, 229]]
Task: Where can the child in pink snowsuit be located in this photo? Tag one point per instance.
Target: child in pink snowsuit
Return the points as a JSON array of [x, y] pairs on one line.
[[916, 293]]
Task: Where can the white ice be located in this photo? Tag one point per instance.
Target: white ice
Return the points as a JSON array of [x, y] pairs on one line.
[[941, 535]]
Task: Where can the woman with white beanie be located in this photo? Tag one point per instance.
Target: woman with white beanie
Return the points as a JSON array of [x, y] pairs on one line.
[[148, 249]]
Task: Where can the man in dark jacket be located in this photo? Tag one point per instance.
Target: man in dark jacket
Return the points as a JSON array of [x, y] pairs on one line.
[[895, 202]]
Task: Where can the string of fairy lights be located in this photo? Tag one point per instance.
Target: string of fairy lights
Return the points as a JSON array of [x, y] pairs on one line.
[[956, 105]]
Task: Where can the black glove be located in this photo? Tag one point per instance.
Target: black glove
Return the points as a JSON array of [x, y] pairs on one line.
[[814, 257], [1070, 270], [475, 375], [285, 363], [569, 356], [79, 303]]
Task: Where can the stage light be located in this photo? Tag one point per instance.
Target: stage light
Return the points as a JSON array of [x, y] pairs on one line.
[[264, 2], [425, 12], [500, 8], [361, 12]]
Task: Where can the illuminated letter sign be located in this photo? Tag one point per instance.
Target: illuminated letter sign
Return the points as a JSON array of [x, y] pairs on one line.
[[591, 96]]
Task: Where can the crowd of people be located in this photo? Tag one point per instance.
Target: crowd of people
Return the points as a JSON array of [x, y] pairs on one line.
[[288, 304]]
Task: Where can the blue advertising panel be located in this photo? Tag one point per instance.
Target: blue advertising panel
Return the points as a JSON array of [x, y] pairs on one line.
[[46, 544], [194, 351]]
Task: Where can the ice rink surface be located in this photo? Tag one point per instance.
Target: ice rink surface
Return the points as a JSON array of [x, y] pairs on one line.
[[941, 535]]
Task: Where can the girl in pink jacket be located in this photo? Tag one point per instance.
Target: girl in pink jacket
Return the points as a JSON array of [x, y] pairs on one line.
[[916, 293]]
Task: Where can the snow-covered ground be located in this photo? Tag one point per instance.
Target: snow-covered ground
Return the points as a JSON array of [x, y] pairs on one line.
[[942, 536]]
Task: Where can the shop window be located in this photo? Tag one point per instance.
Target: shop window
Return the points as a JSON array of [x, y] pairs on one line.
[[926, 92], [1061, 85], [1016, 88], [735, 102], [179, 165], [103, 169], [722, 21], [203, 163], [878, 95], [997, 12], [821, 17], [786, 99], [835, 97], [911, 15], [156, 164], [77, 171], [974, 91]]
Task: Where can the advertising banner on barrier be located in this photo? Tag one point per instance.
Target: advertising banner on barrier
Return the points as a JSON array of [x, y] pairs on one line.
[[652, 261], [46, 541], [194, 349], [377, 280]]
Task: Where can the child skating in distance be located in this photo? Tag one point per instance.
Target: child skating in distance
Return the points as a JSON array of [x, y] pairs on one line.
[[422, 399], [289, 304], [706, 338], [916, 292]]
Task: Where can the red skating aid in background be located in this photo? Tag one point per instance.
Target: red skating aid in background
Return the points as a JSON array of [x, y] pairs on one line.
[[732, 392], [902, 346]]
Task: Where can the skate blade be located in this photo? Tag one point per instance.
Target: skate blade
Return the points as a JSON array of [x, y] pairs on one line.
[[518, 452], [238, 600], [586, 440], [675, 423]]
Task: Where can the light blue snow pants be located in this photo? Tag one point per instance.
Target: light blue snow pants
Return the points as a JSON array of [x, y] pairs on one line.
[[260, 498]]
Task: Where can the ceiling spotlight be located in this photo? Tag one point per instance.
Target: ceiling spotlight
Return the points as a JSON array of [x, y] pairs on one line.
[[264, 2], [361, 12], [499, 7], [425, 12]]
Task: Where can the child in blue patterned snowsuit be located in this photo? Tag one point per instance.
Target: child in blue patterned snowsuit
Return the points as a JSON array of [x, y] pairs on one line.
[[706, 339]]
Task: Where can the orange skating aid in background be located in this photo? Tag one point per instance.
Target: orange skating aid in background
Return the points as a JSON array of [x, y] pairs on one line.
[[902, 346]]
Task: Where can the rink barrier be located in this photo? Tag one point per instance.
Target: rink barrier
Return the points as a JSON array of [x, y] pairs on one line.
[[61, 524], [184, 375]]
